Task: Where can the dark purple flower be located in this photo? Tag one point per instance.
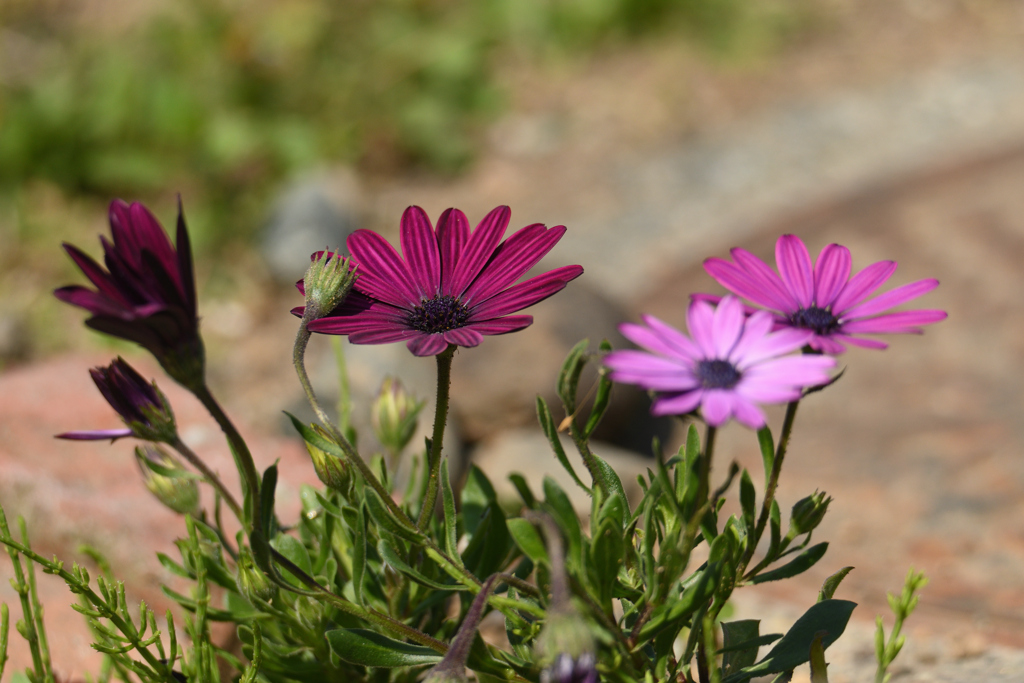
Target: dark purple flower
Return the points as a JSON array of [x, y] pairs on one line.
[[147, 292], [145, 411], [732, 363], [453, 286], [822, 297], [565, 669]]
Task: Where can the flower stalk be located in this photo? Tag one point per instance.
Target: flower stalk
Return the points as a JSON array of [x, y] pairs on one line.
[[444, 382]]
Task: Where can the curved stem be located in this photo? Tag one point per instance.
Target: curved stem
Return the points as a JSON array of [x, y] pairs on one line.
[[211, 476], [444, 381]]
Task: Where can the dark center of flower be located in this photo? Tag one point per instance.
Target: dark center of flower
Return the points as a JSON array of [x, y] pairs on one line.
[[818, 319], [440, 314], [717, 374]]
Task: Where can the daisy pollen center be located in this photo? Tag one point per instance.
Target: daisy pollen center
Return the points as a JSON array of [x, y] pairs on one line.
[[440, 314], [813, 318], [717, 374]]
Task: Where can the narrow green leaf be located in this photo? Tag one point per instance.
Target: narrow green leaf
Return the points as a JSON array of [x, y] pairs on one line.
[[748, 501], [734, 633], [561, 509], [359, 553], [569, 377], [547, 424], [828, 588], [293, 549], [601, 398], [391, 556], [451, 525], [797, 565], [267, 491], [477, 494], [767, 443], [529, 500], [384, 519], [606, 551], [490, 546], [607, 477], [526, 536], [369, 648]]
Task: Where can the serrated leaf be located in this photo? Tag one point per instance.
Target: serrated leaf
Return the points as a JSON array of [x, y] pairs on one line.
[[797, 565], [369, 648], [828, 588]]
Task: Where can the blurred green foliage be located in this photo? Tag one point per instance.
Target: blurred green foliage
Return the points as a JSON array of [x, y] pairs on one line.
[[221, 99]]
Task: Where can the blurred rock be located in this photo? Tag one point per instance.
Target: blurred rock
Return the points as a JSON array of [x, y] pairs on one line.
[[310, 215], [528, 452]]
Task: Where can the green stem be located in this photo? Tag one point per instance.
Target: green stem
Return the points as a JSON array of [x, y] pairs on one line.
[[210, 475], [37, 610], [239, 450], [773, 482], [705, 464], [444, 381], [21, 586]]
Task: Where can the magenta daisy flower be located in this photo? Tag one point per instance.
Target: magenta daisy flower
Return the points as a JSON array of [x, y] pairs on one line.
[[732, 363], [822, 297], [453, 286]]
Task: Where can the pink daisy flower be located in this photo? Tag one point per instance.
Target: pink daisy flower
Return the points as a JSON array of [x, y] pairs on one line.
[[453, 286], [822, 297], [731, 364]]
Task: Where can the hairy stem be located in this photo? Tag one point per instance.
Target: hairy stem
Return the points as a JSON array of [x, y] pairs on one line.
[[210, 475], [444, 382]]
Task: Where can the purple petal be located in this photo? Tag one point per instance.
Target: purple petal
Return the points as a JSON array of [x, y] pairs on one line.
[[862, 285], [419, 246], [795, 268], [891, 299], [727, 326], [748, 285], [861, 342], [680, 404], [895, 323], [766, 391], [754, 329], [700, 318], [683, 346], [771, 345], [479, 249], [94, 302], [796, 371], [381, 335], [648, 339], [649, 371], [185, 269], [427, 344], [518, 254], [96, 435], [746, 412], [382, 272], [509, 323], [716, 406], [827, 344], [452, 236], [767, 278], [831, 273], [463, 336], [525, 294], [95, 273]]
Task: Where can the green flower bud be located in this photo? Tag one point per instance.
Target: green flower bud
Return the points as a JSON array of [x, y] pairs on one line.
[[173, 486], [566, 635], [394, 416], [327, 282], [252, 583], [330, 469], [808, 513]]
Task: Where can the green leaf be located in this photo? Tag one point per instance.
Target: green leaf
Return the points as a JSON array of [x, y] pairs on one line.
[[764, 439], [748, 501], [561, 509], [606, 551], [736, 633], [529, 500], [267, 490], [477, 494], [614, 508], [607, 477], [819, 669], [293, 549], [526, 536], [829, 616], [831, 584], [369, 648], [489, 547], [386, 521], [359, 553], [797, 565], [451, 525], [547, 423], [569, 377], [601, 399], [391, 556]]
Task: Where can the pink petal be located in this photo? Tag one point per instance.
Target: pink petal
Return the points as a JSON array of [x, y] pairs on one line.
[[463, 336], [795, 268], [648, 339], [677, 405], [771, 345], [894, 323], [795, 371], [767, 278], [525, 294], [766, 391], [754, 329], [716, 406], [427, 344], [700, 320], [509, 323], [831, 274], [727, 326], [746, 412], [679, 342], [518, 254], [862, 285], [419, 246], [751, 286], [452, 236], [827, 344], [381, 335], [649, 371], [862, 342], [382, 272], [891, 299], [479, 249], [96, 435]]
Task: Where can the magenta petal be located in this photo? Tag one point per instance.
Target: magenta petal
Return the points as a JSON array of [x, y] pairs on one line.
[[746, 412], [382, 272], [509, 323], [419, 246], [525, 294], [646, 338], [381, 335], [463, 336], [681, 344], [96, 274], [805, 370], [479, 249], [427, 344], [716, 406], [742, 283], [766, 391], [727, 326], [774, 344], [700, 320], [891, 299], [679, 404], [862, 342], [829, 345], [452, 236], [795, 268], [96, 435], [766, 278], [862, 285], [831, 274], [94, 302], [903, 321], [512, 259]]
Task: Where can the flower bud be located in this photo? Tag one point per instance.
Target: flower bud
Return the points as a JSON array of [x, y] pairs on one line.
[[252, 583], [808, 513], [394, 416], [566, 646], [173, 485], [330, 469], [565, 669], [327, 282]]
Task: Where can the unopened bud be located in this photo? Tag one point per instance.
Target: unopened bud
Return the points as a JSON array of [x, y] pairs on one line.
[[327, 282], [330, 469], [252, 583], [394, 416], [565, 669], [808, 513], [173, 485]]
